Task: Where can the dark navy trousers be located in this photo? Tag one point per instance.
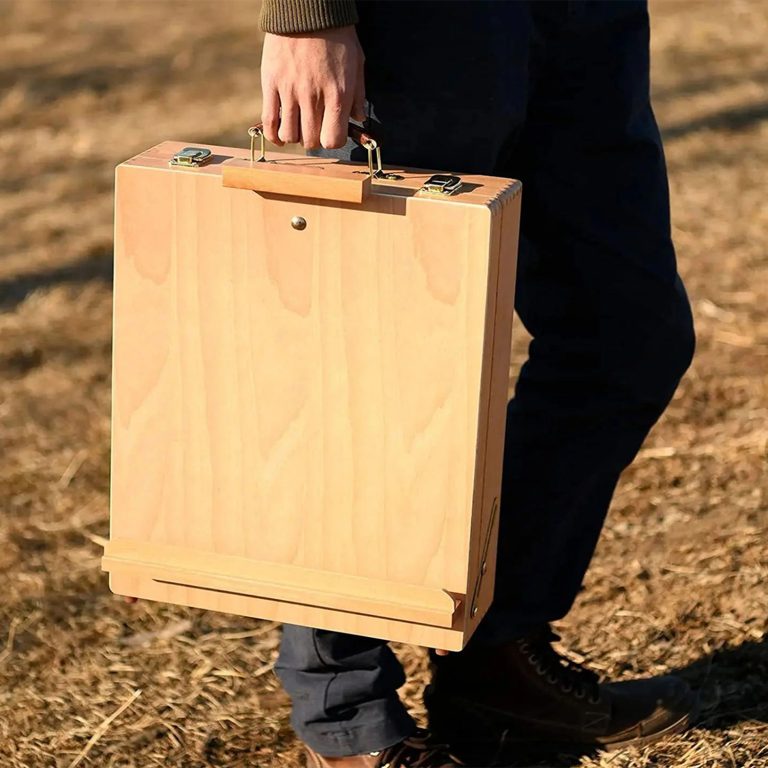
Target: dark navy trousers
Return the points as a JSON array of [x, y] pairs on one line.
[[557, 95]]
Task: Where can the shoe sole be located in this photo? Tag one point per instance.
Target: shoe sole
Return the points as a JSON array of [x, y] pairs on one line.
[[513, 750], [639, 741]]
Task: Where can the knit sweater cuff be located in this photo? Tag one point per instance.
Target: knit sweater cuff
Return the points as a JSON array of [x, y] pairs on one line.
[[285, 17]]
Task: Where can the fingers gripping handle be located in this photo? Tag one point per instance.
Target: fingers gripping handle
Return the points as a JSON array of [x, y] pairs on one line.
[[355, 132], [342, 182]]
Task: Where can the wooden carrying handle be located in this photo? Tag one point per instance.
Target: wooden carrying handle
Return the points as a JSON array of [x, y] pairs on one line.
[[315, 178]]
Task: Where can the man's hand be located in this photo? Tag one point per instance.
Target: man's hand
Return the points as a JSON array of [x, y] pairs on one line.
[[312, 84]]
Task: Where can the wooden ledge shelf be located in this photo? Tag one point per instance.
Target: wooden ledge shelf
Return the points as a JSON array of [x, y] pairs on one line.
[[179, 566]]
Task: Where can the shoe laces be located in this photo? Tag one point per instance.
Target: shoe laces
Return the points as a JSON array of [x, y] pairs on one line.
[[572, 678], [415, 752]]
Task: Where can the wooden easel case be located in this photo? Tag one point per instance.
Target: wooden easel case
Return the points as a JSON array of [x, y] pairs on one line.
[[309, 389]]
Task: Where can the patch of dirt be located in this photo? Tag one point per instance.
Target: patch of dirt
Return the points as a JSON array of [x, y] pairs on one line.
[[678, 582]]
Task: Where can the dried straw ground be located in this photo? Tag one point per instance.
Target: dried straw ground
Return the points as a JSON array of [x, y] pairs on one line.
[[679, 581]]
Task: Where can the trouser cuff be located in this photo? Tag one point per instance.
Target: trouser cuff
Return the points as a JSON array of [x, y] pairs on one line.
[[343, 740]]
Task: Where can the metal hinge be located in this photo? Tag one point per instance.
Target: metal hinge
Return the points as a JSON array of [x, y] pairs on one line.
[[484, 559]]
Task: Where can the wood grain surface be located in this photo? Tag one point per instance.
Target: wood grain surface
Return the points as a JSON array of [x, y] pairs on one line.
[[330, 400]]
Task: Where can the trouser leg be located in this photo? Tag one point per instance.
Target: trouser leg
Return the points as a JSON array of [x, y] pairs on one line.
[[597, 288], [446, 88], [599, 292], [571, 430], [344, 691]]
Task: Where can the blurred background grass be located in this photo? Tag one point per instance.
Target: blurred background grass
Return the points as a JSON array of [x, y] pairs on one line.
[[678, 582]]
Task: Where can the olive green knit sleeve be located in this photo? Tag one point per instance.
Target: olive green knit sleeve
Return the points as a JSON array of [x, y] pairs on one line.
[[285, 17]]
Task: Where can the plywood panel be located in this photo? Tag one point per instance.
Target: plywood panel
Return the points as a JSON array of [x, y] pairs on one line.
[[320, 398]]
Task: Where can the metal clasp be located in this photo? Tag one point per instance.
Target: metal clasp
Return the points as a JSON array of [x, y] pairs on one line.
[[253, 132], [191, 157], [377, 173], [442, 184]]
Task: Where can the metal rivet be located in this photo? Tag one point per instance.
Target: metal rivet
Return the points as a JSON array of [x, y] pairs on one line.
[[484, 566], [474, 610], [299, 222]]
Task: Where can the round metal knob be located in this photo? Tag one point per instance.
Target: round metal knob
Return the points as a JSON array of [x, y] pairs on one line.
[[299, 222]]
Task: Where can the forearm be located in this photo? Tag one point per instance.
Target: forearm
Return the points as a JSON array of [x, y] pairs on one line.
[[285, 17]]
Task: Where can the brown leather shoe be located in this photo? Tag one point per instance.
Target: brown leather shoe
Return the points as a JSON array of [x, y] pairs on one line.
[[491, 704], [415, 752]]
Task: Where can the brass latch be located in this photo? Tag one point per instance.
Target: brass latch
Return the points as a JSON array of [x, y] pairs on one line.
[[191, 157], [442, 184]]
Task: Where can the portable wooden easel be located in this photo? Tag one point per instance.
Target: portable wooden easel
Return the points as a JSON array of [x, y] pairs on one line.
[[309, 390]]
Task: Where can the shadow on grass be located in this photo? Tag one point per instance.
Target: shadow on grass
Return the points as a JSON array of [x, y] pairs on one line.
[[95, 266], [735, 119], [732, 688], [732, 684]]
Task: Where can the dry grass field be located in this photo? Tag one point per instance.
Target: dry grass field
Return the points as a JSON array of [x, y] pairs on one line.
[[679, 580]]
